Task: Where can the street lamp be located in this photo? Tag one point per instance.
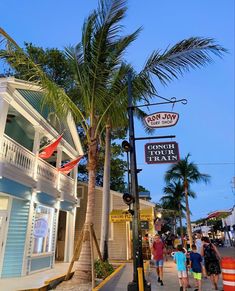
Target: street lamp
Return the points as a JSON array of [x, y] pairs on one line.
[[138, 273]]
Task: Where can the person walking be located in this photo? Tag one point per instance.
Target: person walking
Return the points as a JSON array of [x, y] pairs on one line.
[[180, 260], [199, 243], [212, 261], [157, 251], [196, 267]]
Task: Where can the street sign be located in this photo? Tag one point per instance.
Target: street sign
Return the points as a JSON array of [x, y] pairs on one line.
[[161, 119], [161, 153]]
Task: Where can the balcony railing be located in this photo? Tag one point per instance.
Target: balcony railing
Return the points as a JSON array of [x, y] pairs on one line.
[[15, 154], [47, 172]]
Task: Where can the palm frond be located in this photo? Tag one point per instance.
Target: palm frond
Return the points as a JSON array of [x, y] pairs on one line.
[[53, 94], [189, 53]]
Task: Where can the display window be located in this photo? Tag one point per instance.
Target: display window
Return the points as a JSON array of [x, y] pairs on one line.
[[43, 229]]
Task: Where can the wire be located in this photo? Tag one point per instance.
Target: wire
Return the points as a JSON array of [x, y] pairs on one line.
[[199, 164]]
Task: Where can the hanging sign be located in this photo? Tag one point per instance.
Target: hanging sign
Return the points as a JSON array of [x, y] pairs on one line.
[[161, 119], [161, 153]]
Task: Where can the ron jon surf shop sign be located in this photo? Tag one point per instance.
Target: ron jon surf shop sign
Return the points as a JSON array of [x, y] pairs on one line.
[[161, 119], [161, 152]]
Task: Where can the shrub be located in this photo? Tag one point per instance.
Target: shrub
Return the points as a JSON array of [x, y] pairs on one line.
[[103, 269]]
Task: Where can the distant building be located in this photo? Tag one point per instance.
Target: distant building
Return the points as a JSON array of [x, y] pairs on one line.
[[37, 203], [205, 225], [229, 227], [120, 227], [145, 195]]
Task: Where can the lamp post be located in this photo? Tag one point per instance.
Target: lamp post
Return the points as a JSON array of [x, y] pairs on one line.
[[136, 229]]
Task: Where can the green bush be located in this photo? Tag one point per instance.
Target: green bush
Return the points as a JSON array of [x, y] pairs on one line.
[[103, 269]]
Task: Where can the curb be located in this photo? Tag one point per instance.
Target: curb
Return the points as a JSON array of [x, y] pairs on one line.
[[50, 283], [107, 279]]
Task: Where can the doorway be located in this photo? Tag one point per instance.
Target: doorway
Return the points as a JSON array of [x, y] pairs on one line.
[[60, 245]]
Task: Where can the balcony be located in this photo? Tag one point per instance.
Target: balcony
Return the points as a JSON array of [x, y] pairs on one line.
[[18, 162]]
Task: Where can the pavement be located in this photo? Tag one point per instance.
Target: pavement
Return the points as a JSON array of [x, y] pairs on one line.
[[117, 283], [120, 281]]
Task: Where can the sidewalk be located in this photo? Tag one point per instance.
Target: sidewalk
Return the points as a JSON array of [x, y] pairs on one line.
[[120, 282], [33, 281]]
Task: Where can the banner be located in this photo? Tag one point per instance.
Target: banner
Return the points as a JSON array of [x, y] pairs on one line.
[[69, 166], [49, 150]]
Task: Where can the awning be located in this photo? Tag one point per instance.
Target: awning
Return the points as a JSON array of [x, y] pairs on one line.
[[120, 215], [218, 214]]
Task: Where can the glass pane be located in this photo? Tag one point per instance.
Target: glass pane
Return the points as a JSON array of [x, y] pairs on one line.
[[43, 229], [3, 203]]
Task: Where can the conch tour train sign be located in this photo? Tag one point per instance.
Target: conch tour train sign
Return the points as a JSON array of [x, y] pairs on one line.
[[161, 119], [161, 153]]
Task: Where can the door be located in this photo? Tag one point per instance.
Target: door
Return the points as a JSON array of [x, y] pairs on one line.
[[60, 245], [3, 222]]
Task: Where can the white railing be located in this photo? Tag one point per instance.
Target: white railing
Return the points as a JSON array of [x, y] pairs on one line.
[[17, 155], [67, 184], [46, 172]]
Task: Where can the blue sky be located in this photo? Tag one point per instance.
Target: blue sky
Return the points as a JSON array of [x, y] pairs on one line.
[[206, 124]]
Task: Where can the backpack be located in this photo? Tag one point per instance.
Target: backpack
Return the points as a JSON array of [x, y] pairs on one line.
[[209, 253]]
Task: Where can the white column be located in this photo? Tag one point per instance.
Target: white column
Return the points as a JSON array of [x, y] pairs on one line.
[[70, 233], [75, 173], [37, 138], [29, 236], [58, 164], [4, 106], [36, 147]]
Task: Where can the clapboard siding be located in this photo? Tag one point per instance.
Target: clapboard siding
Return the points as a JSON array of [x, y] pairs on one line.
[[14, 251], [118, 246]]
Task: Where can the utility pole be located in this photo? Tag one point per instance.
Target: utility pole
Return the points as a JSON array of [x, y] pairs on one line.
[[136, 229]]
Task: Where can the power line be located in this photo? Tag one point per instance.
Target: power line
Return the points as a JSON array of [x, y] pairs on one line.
[[200, 164]]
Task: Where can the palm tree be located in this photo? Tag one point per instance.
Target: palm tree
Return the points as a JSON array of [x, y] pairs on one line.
[[96, 60], [174, 199], [187, 173]]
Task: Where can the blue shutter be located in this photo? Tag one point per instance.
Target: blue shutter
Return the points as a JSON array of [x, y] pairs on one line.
[[15, 243]]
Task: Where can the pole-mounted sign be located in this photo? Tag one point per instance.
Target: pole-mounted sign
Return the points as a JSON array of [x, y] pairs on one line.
[[161, 153], [161, 119]]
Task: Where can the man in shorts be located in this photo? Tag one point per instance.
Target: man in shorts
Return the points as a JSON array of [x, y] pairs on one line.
[[157, 251], [180, 260]]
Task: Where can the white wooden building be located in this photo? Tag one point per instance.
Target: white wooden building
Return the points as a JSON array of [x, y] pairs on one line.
[[36, 201]]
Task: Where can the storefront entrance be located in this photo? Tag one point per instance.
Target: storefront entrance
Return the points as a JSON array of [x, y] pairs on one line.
[[60, 245]]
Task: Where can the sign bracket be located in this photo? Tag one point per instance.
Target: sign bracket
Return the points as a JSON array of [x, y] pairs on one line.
[[155, 137]]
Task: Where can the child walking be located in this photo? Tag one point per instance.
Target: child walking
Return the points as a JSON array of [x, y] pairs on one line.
[[196, 266], [180, 260]]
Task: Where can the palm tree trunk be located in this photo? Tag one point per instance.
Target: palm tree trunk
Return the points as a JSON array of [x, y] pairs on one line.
[[106, 196], [189, 229], [83, 270], [181, 225]]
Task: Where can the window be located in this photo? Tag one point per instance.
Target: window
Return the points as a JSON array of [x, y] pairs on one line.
[[3, 203], [43, 230]]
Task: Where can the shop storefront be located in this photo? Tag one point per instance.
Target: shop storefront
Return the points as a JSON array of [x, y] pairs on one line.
[[119, 217]]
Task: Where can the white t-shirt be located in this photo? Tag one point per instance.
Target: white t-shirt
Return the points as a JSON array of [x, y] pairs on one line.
[[198, 244]]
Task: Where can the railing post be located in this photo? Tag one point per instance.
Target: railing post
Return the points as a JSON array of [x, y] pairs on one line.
[[36, 147], [58, 165]]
